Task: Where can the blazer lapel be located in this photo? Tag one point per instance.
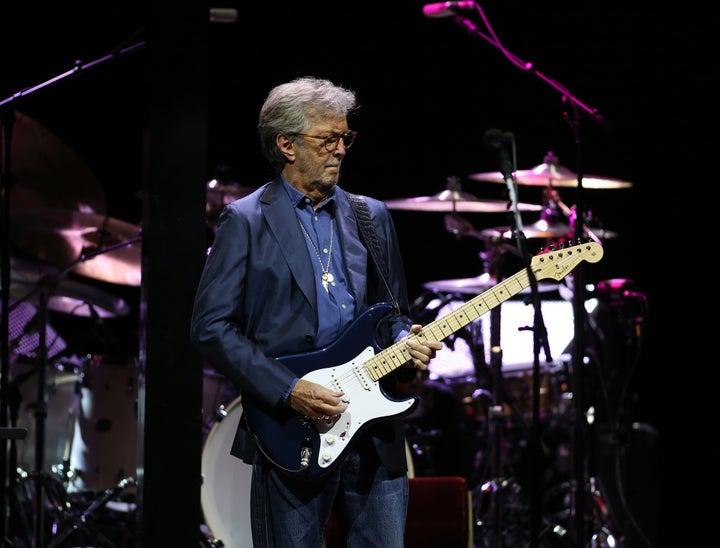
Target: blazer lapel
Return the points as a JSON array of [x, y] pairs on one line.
[[281, 219]]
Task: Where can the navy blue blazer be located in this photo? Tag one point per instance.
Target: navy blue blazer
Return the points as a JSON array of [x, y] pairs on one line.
[[256, 300]]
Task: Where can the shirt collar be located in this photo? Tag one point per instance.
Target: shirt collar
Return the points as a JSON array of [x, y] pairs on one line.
[[299, 200]]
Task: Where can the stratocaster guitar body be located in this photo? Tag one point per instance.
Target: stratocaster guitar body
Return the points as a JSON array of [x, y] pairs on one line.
[[339, 366], [306, 448]]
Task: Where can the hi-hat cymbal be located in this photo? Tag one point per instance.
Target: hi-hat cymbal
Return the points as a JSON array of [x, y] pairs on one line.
[[104, 248], [47, 173], [456, 201], [28, 280], [475, 285], [550, 173]]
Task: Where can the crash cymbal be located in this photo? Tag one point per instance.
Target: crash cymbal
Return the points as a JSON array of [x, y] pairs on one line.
[[475, 285], [104, 248], [47, 173], [29, 280], [543, 229], [456, 201], [551, 173]]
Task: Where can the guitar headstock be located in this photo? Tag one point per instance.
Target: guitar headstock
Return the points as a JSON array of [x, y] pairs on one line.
[[557, 262]]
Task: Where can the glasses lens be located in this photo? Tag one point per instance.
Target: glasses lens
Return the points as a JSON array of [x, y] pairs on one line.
[[348, 139], [331, 141]]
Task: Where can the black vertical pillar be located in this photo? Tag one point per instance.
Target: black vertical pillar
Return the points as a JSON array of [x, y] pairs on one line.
[[173, 248]]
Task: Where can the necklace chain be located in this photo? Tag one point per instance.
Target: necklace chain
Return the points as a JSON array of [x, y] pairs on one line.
[[326, 277]]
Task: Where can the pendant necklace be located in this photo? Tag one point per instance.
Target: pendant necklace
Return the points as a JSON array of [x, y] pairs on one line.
[[327, 277]]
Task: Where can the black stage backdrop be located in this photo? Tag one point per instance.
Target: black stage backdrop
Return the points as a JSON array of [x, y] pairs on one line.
[[429, 90]]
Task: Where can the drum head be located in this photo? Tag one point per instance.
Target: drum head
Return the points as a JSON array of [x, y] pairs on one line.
[[225, 491]]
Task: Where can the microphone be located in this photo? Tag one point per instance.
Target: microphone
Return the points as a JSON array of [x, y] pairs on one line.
[[446, 9], [495, 138]]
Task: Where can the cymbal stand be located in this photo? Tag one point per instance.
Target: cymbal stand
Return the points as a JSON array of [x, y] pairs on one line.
[[41, 356], [44, 289]]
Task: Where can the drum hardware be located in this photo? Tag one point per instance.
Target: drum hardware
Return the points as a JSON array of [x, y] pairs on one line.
[[557, 222], [44, 291], [220, 191], [82, 522]]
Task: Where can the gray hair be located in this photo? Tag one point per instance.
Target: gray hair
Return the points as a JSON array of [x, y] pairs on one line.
[[290, 107]]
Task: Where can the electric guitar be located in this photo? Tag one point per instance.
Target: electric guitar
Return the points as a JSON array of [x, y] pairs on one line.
[[303, 447]]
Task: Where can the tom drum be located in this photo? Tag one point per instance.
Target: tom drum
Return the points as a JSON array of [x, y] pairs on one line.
[[104, 449], [62, 400]]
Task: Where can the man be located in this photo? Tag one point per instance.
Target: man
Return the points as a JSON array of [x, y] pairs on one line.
[[289, 276]]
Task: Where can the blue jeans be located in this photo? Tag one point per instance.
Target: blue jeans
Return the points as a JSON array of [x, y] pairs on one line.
[[371, 506]]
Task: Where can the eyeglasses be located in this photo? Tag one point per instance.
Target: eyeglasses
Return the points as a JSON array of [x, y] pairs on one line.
[[331, 141]]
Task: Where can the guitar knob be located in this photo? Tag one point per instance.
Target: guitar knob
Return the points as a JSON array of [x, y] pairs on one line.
[[326, 457], [330, 440]]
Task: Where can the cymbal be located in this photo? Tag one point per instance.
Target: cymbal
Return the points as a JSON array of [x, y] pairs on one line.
[[550, 173], [27, 280], [543, 229], [451, 200], [475, 285], [48, 173], [104, 248]]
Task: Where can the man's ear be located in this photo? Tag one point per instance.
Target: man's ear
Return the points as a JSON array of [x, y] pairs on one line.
[[286, 146]]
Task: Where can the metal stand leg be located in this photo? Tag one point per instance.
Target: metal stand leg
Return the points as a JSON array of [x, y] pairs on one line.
[[82, 522]]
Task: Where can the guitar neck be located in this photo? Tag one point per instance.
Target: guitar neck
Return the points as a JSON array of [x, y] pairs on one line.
[[393, 357]]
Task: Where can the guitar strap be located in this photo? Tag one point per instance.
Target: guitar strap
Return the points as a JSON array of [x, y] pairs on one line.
[[367, 231]]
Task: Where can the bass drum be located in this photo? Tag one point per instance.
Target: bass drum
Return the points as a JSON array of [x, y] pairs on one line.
[[226, 480]]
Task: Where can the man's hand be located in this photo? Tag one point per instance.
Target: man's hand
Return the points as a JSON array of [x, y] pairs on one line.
[[315, 401], [421, 349]]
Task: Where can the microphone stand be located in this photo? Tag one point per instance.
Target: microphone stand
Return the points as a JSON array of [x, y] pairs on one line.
[[539, 332], [7, 120], [578, 511]]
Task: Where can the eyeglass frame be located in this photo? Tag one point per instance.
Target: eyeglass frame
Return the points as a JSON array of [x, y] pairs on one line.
[[325, 140]]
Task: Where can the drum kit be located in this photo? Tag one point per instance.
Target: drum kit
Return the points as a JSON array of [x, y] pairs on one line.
[[489, 366], [77, 413]]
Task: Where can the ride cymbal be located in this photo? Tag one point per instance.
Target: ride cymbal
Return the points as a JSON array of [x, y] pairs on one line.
[[551, 173], [456, 201], [104, 248]]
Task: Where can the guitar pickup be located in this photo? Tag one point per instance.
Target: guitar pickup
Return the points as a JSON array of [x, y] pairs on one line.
[[361, 377]]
